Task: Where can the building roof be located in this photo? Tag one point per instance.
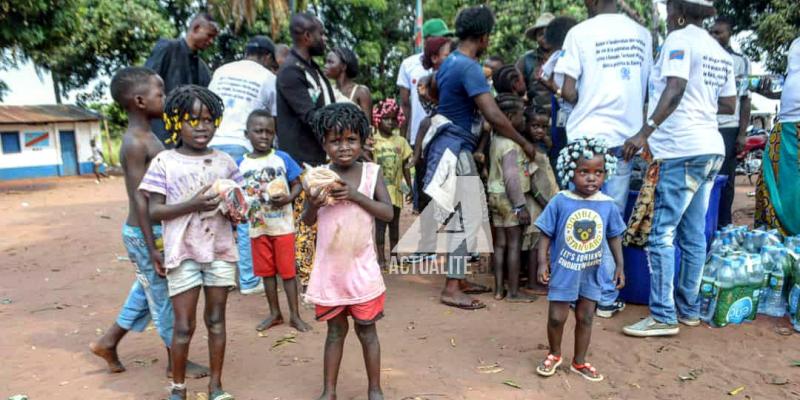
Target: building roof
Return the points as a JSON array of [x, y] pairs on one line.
[[45, 114]]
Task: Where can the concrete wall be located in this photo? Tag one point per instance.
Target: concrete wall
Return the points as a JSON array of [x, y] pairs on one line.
[[46, 161]]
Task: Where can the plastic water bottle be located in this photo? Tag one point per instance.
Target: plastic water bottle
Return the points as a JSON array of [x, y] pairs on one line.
[[725, 284], [708, 289], [716, 243], [776, 303], [794, 293], [755, 274]]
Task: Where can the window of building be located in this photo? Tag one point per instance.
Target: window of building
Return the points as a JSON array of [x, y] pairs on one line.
[[10, 142]]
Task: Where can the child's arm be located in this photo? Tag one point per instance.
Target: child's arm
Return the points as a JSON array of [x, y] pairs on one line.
[[423, 129], [283, 199], [538, 197], [380, 207], [511, 178], [615, 244], [480, 151], [544, 259], [135, 168], [406, 154], [202, 201], [312, 204]]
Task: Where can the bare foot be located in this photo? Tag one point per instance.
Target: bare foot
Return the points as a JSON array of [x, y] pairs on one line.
[[297, 323], [109, 354], [520, 298], [272, 320], [536, 289], [461, 300], [327, 396], [375, 394], [499, 295], [193, 371]]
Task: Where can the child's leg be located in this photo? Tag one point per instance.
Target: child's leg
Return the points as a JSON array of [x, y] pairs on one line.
[[513, 251], [533, 268], [290, 287], [584, 312], [498, 261], [271, 292], [185, 307], [371, 347], [556, 318], [334, 345], [216, 299], [394, 231]]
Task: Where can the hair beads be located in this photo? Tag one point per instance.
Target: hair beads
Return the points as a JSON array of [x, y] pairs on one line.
[[584, 147], [179, 104]]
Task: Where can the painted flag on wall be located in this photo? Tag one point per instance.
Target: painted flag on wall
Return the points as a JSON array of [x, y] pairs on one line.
[[37, 140], [418, 29]]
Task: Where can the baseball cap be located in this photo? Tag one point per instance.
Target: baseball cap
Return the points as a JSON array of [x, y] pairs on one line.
[[260, 42], [435, 27], [705, 3], [541, 22]]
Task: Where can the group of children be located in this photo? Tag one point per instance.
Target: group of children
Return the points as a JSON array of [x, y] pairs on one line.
[[564, 233]]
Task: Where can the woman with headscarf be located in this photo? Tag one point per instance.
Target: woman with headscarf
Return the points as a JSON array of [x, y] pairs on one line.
[[341, 65], [692, 80], [777, 193]]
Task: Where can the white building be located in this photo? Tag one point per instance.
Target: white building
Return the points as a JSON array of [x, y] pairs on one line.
[[46, 140]]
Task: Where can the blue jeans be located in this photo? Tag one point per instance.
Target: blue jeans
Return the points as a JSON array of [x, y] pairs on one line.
[[617, 187], [247, 279], [681, 201], [149, 296]]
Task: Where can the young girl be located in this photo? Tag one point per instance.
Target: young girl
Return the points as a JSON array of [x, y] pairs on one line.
[[199, 247], [346, 279], [392, 152], [578, 226]]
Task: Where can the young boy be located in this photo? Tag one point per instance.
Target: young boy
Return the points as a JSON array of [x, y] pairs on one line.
[[392, 152], [98, 161], [578, 226], [537, 124], [140, 91], [268, 174]]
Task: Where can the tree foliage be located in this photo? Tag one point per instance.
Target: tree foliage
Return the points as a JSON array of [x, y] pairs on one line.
[[774, 24]]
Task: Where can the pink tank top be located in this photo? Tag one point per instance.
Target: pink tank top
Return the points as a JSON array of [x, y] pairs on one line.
[[346, 269]]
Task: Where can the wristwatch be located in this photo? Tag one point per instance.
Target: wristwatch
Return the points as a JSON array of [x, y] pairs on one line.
[[652, 123]]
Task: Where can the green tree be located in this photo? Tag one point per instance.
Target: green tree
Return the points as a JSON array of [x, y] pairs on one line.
[[774, 24]]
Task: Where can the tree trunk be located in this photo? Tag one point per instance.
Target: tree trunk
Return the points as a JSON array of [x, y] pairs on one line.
[[56, 87]]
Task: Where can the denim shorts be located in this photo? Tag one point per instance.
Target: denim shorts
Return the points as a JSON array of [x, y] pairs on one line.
[[190, 274]]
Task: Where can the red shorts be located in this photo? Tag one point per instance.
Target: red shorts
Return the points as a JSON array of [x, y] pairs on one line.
[[363, 314], [273, 255]]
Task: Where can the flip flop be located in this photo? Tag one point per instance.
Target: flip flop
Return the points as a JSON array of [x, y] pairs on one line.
[[475, 304], [220, 395], [521, 299], [587, 371]]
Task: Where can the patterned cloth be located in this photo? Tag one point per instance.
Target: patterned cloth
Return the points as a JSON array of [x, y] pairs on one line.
[[641, 220], [305, 239], [781, 140]]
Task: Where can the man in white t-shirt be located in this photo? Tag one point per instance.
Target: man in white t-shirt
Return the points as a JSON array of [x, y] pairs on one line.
[[244, 86], [410, 73], [606, 63]]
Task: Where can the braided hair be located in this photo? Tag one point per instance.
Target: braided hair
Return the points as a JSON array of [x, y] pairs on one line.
[[509, 103], [338, 117], [179, 104], [586, 148], [505, 78]]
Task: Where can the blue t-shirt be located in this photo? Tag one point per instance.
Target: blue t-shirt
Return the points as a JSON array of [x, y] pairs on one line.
[[579, 228], [460, 79]]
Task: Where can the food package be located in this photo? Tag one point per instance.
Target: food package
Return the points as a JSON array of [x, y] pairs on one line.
[[234, 203], [320, 179], [277, 187]]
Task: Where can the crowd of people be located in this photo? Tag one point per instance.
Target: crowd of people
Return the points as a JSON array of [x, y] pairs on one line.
[[550, 139]]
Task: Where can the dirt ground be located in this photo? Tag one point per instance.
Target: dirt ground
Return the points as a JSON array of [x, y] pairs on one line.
[[64, 278]]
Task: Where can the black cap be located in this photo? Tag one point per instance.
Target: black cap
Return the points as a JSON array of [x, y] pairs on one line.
[[260, 44]]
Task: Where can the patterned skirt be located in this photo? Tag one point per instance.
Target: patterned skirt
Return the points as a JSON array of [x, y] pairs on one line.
[[305, 241], [777, 193]]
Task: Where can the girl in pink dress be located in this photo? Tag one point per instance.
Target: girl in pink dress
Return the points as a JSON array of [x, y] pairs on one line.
[[346, 278]]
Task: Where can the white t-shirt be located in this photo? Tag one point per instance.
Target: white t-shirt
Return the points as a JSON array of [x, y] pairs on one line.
[[741, 69], [410, 73], [564, 108], [691, 130], [790, 98], [609, 56], [244, 86]]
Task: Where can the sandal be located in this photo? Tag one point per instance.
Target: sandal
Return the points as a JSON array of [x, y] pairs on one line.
[[475, 288], [587, 371], [220, 394], [549, 366], [178, 392]]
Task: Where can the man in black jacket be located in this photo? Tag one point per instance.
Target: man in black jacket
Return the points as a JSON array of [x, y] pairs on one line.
[[177, 61], [302, 89]]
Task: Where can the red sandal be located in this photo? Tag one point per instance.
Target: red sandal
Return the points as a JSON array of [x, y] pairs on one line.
[[549, 366], [587, 371]]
